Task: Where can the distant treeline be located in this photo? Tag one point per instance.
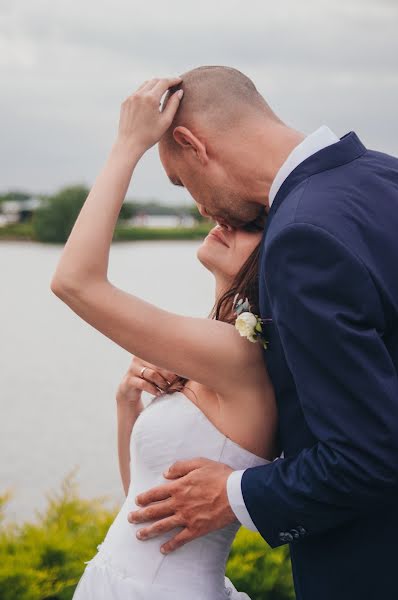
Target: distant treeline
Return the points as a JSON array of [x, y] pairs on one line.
[[19, 196], [131, 207], [53, 220]]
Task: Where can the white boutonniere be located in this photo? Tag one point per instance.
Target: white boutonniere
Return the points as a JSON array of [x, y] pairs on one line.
[[248, 324]]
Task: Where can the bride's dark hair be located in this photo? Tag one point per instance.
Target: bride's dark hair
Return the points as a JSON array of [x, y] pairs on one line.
[[245, 283]]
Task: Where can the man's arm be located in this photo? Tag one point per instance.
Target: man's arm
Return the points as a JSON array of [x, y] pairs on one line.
[[330, 321], [236, 501]]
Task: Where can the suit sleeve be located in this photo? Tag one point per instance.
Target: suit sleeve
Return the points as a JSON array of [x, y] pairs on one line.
[[330, 320]]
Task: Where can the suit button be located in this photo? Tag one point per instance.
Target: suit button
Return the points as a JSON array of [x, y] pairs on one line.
[[301, 530], [282, 536], [288, 537], [295, 533]]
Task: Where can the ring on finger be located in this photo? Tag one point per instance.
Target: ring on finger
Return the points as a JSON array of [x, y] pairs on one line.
[[142, 372]]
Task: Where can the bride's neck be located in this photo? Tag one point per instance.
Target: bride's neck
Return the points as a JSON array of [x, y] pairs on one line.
[[222, 286]]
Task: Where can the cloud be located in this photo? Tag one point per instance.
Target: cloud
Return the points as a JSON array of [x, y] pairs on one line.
[[65, 68]]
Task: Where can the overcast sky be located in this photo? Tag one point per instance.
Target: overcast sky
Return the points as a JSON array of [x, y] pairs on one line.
[[66, 66]]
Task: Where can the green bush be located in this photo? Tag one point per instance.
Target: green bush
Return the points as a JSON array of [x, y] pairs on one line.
[[254, 568], [54, 221], [44, 559], [17, 231]]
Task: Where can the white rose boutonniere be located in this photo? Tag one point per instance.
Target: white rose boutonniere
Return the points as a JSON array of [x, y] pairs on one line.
[[247, 323]]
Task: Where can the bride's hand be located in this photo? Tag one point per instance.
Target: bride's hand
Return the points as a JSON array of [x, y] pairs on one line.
[[141, 123], [153, 380]]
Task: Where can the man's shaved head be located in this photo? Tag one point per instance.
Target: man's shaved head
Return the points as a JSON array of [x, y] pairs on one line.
[[222, 144], [215, 96]]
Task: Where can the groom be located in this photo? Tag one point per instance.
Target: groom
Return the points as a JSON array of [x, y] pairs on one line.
[[329, 282]]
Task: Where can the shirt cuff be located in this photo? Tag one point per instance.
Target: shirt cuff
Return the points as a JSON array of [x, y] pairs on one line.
[[235, 498]]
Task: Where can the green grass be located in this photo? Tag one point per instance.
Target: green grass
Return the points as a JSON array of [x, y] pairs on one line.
[[169, 233], [17, 231], [43, 559], [24, 231]]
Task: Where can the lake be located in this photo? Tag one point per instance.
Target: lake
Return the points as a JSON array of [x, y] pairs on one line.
[[59, 375]]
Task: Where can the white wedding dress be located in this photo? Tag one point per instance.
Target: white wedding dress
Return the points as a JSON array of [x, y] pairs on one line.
[[170, 428]]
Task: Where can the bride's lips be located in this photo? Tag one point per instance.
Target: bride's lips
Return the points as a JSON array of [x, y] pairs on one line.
[[218, 235]]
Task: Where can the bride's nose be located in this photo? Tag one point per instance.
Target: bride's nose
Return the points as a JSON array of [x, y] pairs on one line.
[[224, 225]]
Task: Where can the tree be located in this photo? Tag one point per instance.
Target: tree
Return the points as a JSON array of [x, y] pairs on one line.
[[127, 211], [54, 221], [14, 195], [193, 211]]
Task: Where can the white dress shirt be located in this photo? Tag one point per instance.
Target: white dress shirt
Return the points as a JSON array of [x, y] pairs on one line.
[[321, 138]]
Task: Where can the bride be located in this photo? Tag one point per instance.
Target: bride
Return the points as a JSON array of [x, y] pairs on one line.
[[212, 394]]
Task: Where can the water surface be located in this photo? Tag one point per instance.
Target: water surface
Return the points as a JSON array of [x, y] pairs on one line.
[[59, 375]]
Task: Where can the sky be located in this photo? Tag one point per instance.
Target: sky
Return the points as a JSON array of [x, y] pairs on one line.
[[66, 66]]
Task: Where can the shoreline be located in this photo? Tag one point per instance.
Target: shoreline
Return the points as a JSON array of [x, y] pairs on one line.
[[23, 232]]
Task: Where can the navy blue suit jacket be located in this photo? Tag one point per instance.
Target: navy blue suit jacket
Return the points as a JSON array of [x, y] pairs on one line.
[[329, 282]]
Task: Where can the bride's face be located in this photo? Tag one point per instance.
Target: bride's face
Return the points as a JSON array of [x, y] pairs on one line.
[[225, 249]]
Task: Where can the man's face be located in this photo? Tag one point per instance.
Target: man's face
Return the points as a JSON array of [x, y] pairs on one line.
[[215, 193]]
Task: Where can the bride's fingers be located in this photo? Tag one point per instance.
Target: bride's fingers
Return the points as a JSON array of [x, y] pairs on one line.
[[178, 540], [149, 85], [143, 385], [137, 364], [169, 112], [162, 526], [146, 86], [142, 85], [160, 377], [162, 85], [167, 375], [156, 85], [154, 377]]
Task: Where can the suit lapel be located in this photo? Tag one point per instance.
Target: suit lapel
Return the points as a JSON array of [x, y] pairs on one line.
[[347, 149]]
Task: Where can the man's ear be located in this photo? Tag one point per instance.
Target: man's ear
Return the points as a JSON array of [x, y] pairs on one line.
[[188, 141]]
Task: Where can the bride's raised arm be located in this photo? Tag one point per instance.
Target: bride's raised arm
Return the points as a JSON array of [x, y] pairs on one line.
[[207, 351]]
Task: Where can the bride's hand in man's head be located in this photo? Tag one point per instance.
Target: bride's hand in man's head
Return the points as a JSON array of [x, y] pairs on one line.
[[142, 376], [142, 123]]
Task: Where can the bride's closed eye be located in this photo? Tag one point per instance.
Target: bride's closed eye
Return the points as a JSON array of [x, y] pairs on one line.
[[253, 226]]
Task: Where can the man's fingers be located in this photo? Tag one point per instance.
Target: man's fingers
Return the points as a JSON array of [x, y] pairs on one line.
[[162, 492], [158, 528], [158, 510], [183, 467], [178, 540]]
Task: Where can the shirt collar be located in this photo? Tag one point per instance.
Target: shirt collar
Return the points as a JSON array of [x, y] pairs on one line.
[[319, 139]]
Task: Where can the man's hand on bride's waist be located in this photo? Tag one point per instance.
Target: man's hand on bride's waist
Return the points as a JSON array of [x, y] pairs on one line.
[[196, 499]]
